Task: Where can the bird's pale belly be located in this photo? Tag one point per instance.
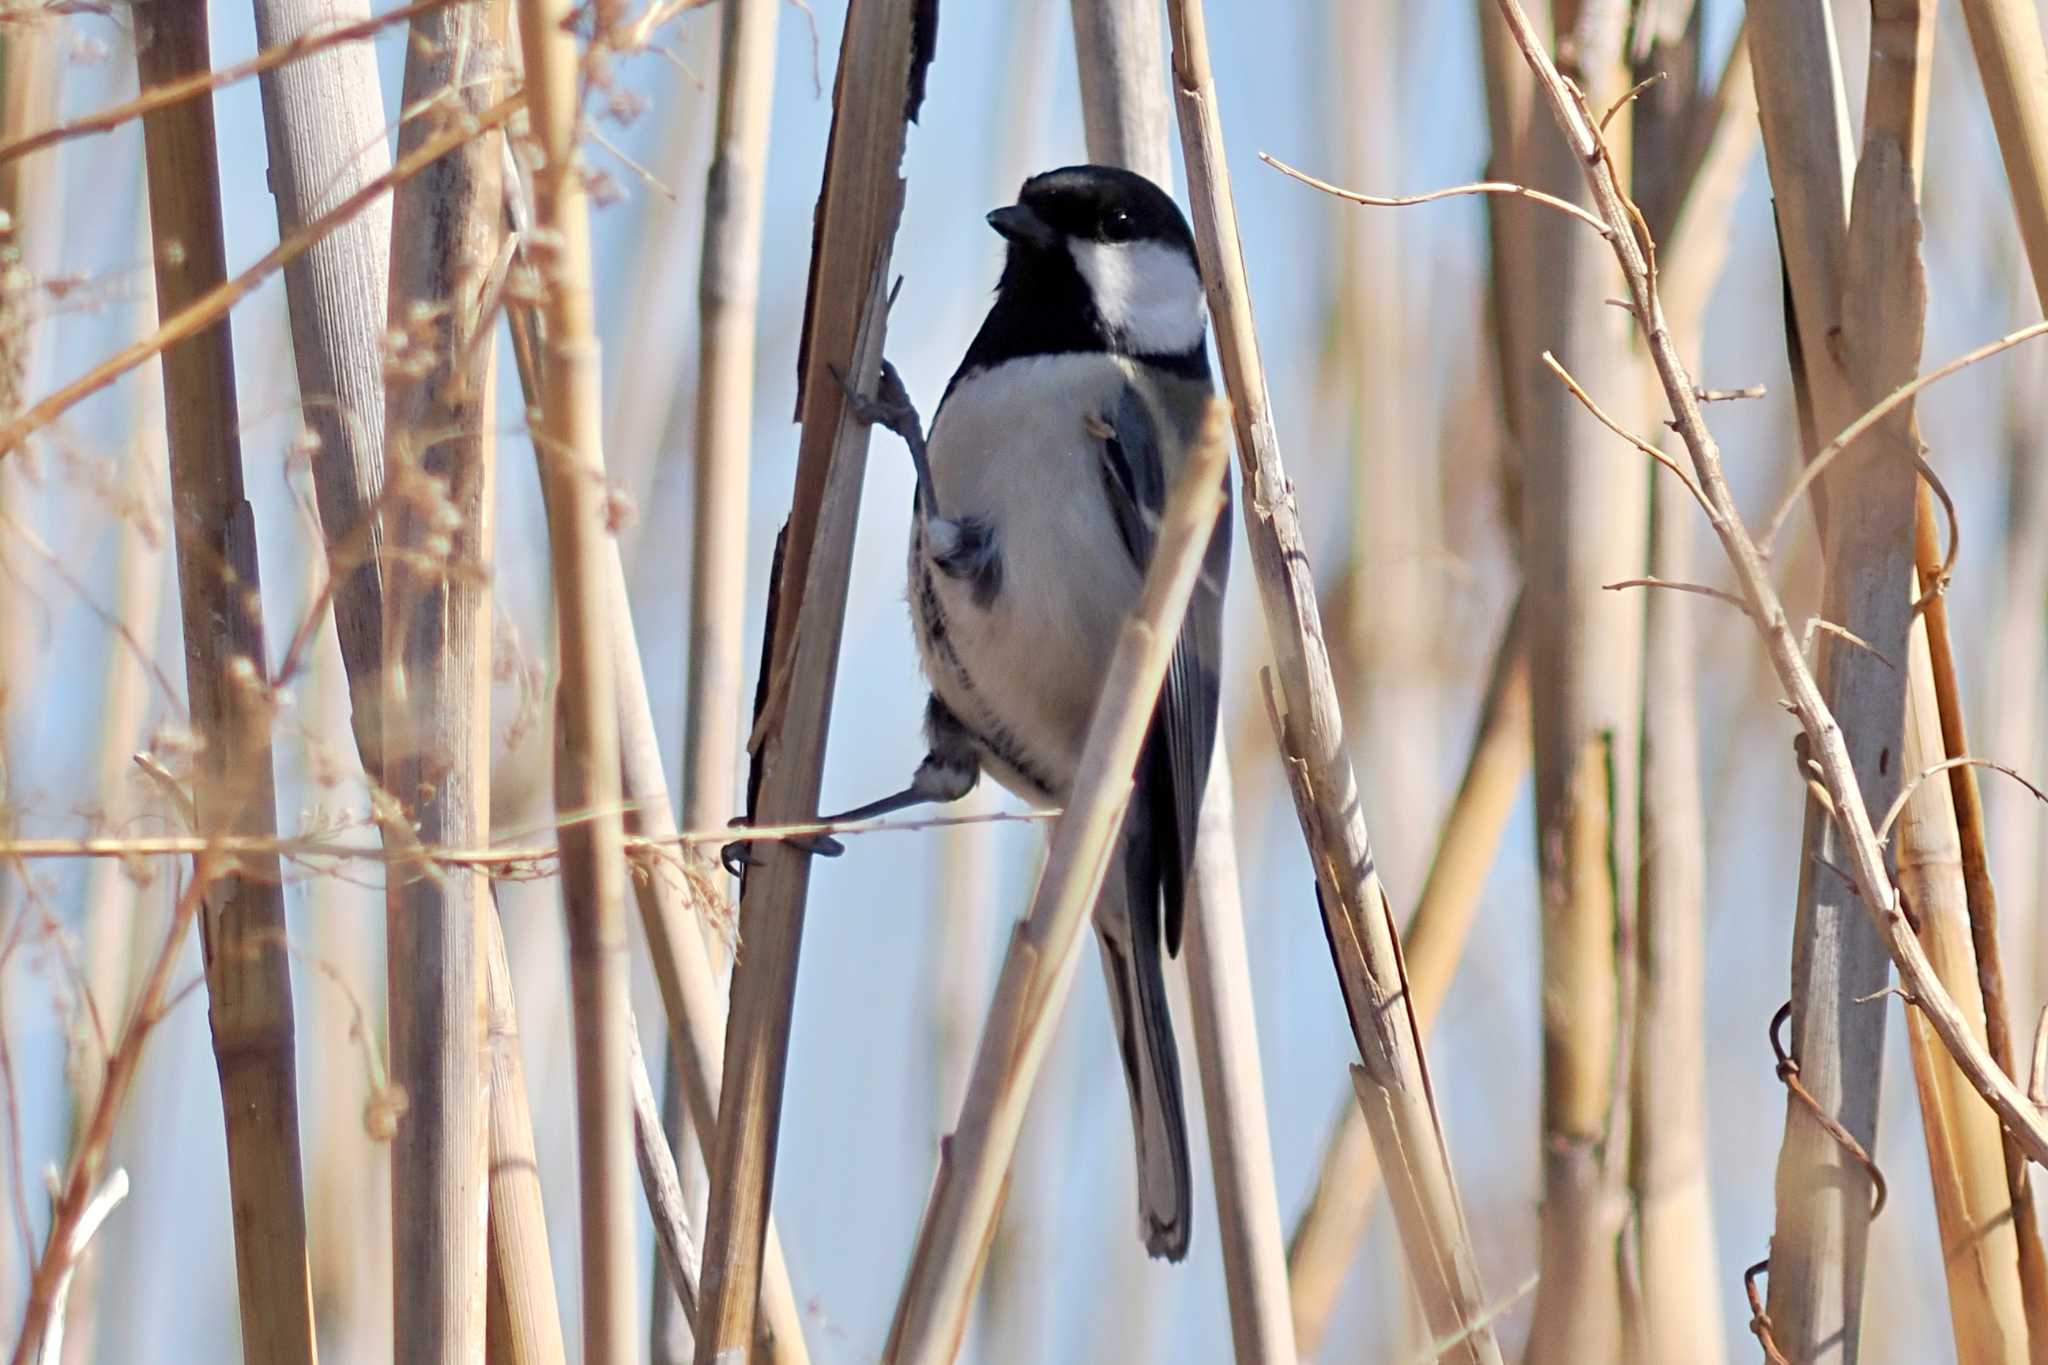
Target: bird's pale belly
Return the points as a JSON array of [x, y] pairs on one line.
[[1022, 672]]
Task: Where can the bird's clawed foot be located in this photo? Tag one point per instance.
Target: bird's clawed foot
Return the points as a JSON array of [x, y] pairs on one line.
[[738, 855], [891, 409]]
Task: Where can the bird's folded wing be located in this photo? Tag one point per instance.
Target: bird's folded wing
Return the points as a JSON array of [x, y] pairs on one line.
[[1134, 478]]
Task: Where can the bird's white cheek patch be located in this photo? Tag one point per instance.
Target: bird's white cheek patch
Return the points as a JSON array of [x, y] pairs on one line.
[[1148, 293]]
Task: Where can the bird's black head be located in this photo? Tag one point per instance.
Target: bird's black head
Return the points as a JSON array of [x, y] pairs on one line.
[[1099, 259]]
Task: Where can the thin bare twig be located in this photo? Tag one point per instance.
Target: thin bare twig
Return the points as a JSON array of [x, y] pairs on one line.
[[1877, 413], [1502, 187], [1699, 589], [1898, 805]]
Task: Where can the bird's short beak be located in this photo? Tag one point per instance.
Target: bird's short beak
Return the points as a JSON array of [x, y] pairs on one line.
[[1020, 223]]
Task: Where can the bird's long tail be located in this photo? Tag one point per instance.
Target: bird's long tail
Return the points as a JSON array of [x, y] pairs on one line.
[[1144, 1032]]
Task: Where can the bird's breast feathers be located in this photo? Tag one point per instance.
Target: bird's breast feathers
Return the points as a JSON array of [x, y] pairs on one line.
[[1011, 447]]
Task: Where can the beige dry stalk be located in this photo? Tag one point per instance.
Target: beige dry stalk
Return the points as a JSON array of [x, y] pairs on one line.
[[677, 915], [1326, 1236], [435, 723], [1583, 524], [1869, 528], [1366, 956], [324, 115], [1832, 766], [1038, 969], [1121, 54], [243, 924], [2013, 63], [522, 1323], [1693, 150], [879, 84], [728, 290], [569, 447]]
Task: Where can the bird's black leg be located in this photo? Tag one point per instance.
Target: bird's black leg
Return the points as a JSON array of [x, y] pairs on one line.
[[949, 772], [892, 410]]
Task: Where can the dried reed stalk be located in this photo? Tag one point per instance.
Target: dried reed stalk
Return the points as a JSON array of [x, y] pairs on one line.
[[523, 1325], [879, 86], [1972, 1188], [1995, 1207], [674, 1246], [2019, 832], [2013, 64], [1233, 1089], [1327, 1234], [674, 911], [242, 925], [1884, 250], [1972, 1204], [30, 62], [1394, 579], [1121, 54], [568, 444], [728, 289], [323, 116], [437, 509], [1394, 1086], [1819, 1243], [1583, 525], [1700, 146], [1038, 968]]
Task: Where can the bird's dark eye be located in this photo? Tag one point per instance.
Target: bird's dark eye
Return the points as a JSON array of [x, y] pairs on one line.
[[1117, 227]]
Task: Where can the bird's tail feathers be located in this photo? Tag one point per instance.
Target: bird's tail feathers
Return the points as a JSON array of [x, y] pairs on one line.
[[1144, 1029]]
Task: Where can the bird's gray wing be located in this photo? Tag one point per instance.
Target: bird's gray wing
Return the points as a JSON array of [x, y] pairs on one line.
[[1174, 769]]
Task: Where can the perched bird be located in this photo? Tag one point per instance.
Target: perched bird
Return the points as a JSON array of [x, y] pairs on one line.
[[1039, 494]]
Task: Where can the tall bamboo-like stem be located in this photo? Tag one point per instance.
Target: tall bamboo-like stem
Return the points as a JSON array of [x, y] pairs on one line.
[[1121, 54], [1038, 969], [879, 86], [1700, 145], [2014, 65], [2019, 826], [324, 119], [437, 508], [1233, 1089], [567, 441], [2013, 61], [30, 62], [242, 924], [673, 910], [348, 1197], [523, 1325], [728, 288], [1393, 1084], [1972, 1204], [1990, 1272], [1819, 1244], [1327, 1234], [1584, 504], [1395, 571], [1816, 1297], [1884, 254], [1117, 45]]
